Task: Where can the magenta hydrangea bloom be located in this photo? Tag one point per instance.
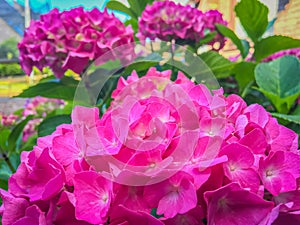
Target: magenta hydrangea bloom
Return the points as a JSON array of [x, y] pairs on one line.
[[233, 205], [164, 152], [167, 20], [293, 51], [71, 39]]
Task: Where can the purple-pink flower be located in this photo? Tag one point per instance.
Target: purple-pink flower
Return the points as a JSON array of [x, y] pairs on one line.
[[71, 39], [168, 21]]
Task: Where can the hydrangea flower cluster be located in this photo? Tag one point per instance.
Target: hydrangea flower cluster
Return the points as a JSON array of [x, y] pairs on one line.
[[39, 107], [293, 51], [70, 39], [8, 120], [167, 20], [172, 149]]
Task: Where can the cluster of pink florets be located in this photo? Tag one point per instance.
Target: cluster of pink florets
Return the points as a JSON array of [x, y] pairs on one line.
[[172, 148], [293, 51], [168, 21], [70, 39], [39, 107]]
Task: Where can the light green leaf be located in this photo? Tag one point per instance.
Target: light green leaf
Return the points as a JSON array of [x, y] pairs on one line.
[[253, 16], [220, 66], [115, 5], [4, 134], [225, 31], [272, 44], [279, 80], [49, 125]]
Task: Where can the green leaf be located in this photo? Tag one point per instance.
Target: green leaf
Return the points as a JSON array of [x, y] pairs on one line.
[[4, 134], [220, 66], [207, 38], [16, 133], [244, 74], [272, 44], [62, 89], [289, 118], [134, 25], [115, 5], [135, 7], [279, 80], [225, 31], [49, 125], [253, 16], [5, 171]]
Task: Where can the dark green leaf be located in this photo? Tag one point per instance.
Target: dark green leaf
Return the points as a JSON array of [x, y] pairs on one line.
[[220, 66], [225, 31], [5, 171], [272, 44], [49, 124], [115, 5], [142, 64], [16, 133], [279, 80], [62, 89], [154, 213], [244, 74], [253, 16], [29, 144]]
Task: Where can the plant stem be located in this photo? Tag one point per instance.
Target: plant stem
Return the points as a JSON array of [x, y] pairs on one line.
[[173, 76], [245, 91]]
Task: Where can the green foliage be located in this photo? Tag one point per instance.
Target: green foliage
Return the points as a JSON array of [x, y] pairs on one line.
[[253, 16], [63, 89], [10, 69], [134, 10], [49, 124], [244, 74], [220, 66], [16, 133], [272, 44], [279, 80], [225, 31], [9, 49]]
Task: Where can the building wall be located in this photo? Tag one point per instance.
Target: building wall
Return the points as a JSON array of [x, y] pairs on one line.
[[7, 32], [288, 20]]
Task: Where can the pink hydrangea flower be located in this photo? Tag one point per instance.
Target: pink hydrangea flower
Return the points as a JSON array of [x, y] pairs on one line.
[[167, 20], [233, 205], [122, 215], [39, 176], [279, 171], [173, 196], [190, 155], [93, 195], [8, 120], [70, 39]]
